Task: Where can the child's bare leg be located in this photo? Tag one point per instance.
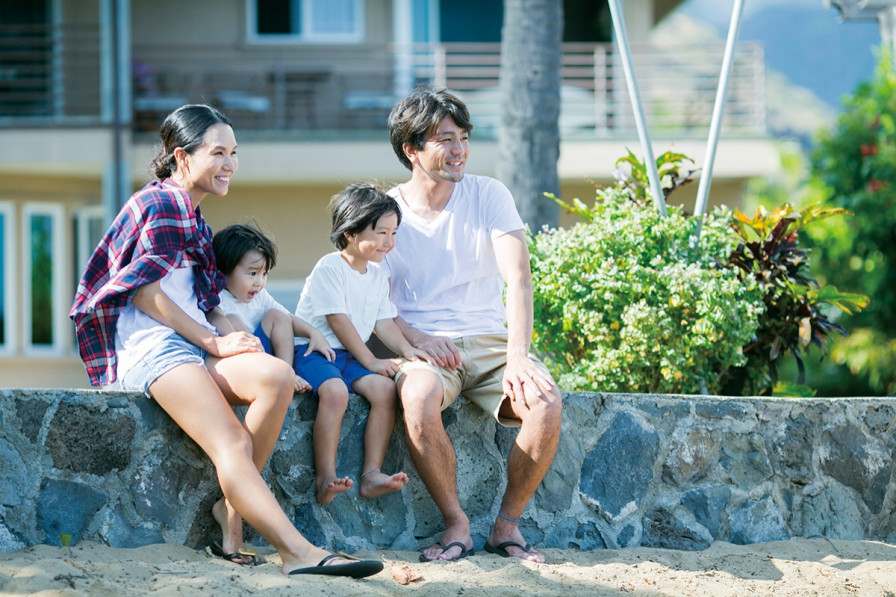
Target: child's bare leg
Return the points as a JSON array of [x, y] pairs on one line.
[[333, 400], [278, 326], [380, 393]]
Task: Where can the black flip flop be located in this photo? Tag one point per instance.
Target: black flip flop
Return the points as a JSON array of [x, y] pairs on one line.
[[357, 569], [464, 552], [501, 549], [215, 549]]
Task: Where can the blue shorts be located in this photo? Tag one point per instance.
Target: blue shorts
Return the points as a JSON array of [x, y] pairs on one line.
[[316, 369], [265, 341], [166, 355]]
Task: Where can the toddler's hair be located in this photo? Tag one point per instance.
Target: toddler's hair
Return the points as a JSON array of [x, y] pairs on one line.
[[355, 208], [231, 243]]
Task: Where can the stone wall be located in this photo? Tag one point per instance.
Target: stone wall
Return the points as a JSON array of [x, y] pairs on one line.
[[662, 471]]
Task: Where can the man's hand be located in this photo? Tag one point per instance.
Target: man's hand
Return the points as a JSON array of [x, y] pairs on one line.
[[235, 343], [442, 350], [524, 382], [415, 354]]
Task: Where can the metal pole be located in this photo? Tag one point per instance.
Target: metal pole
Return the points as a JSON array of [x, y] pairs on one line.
[[649, 161], [716, 122]]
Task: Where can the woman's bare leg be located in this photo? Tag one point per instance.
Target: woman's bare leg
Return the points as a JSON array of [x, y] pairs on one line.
[[195, 402]]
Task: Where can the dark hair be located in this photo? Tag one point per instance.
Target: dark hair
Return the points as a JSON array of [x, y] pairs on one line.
[[415, 118], [185, 128], [231, 243], [355, 208]]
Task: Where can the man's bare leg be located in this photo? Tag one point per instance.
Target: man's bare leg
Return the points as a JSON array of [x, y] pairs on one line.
[[433, 455], [528, 463]]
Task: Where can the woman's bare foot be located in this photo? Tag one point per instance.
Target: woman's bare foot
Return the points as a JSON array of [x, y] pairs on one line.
[[330, 487], [376, 483], [231, 525]]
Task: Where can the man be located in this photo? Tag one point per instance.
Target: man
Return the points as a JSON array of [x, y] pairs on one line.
[[460, 241]]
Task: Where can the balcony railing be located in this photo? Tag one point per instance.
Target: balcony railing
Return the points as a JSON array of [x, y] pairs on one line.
[[52, 75]]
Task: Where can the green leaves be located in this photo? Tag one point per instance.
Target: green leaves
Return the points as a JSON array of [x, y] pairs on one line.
[[627, 302]]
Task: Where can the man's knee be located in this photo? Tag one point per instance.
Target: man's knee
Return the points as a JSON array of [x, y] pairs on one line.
[[421, 396]]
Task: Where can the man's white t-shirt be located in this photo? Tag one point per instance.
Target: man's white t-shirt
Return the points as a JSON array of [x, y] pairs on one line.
[[334, 287], [250, 313], [443, 273]]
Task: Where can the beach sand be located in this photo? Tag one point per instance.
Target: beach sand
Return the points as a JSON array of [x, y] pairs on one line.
[[799, 567]]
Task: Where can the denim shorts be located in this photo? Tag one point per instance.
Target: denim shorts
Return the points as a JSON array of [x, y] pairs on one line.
[[172, 351]]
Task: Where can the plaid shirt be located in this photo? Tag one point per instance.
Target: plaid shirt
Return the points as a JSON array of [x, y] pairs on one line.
[[156, 231]]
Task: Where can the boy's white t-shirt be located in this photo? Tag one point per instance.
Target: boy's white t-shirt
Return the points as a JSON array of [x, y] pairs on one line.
[[136, 332], [250, 313], [443, 273], [334, 287]]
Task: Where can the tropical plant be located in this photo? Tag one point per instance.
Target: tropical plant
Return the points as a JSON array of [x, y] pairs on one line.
[[625, 302], [631, 301], [854, 165], [793, 318]]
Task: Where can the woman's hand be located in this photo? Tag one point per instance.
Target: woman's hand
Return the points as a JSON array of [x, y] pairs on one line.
[[235, 343]]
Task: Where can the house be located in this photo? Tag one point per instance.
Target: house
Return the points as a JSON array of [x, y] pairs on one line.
[[308, 84]]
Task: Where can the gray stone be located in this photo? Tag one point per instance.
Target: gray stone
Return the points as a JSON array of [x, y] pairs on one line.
[[832, 513], [787, 449], [858, 462], [572, 534], [14, 477], [691, 453], [306, 522], [708, 507], [9, 542], [117, 532], [625, 537], [880, 420], [31, 416], [743, 455], [656, 411], [654, 469], [555, 492], [757, 521], [720, 409], [66, 507], [617, 471], [90, 442], [159, 484], [664, 530]]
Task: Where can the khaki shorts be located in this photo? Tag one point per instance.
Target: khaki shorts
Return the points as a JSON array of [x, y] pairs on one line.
[[480, 375]]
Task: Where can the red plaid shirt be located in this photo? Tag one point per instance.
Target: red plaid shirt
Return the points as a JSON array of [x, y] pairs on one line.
[[156, 231]]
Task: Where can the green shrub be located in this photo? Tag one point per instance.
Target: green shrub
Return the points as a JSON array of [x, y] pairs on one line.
[[628, 302]]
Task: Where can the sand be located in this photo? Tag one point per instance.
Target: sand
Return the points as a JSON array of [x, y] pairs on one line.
[[799, 567]]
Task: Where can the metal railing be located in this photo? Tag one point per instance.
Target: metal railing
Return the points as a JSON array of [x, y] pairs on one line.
[[51, 74]]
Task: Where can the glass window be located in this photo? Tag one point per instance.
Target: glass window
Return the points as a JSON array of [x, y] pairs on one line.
[[44, 295], [7, 318], [322, 21]]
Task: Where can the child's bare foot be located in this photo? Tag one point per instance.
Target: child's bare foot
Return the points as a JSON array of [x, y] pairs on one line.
[[302, 385], [330, 487], [374, 483]]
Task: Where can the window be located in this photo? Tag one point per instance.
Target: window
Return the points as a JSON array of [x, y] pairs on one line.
[[89, 231], [320, 21], [45, 300], [7, 245]]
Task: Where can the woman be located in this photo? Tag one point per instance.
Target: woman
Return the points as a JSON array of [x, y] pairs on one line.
[[146, 314]]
